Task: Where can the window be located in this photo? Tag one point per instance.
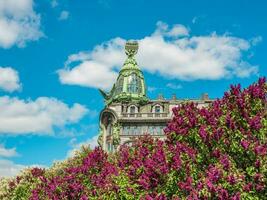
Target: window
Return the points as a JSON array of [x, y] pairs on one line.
[[131, 130], [132, 109], [158, 130], [110, 147], [107, 121], [150, 130], [144, 130], [136, 130], [126, 130], [119, 86], [162, 130], [157, 109], [109, 129], [134, 84], [139, 130]]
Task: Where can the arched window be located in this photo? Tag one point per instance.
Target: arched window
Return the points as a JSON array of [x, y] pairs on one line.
[[109, 129], [119, 86], [110, 147], [157, 108], [107, 121], [134, 84], [132, 109]]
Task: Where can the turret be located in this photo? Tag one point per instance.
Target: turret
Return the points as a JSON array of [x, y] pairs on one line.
[[130, 84]]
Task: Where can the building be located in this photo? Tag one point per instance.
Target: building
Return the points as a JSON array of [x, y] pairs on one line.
[[128, 111]]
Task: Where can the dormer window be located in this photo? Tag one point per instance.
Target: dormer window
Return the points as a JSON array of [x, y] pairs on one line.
[[157, 109], [132, 109]]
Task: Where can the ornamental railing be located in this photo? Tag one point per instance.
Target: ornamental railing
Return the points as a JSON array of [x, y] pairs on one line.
[[145, 115]]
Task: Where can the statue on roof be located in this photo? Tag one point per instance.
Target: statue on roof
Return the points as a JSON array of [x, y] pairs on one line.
[[131, 48]]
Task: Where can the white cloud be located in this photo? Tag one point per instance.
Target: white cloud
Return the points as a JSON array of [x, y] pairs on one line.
[[256, 40], [94, 70], [194, 20], [64, 15], [174, 86], [4, 152], [40, 116], [92, 142], [151, 89], [169, 51], [9, 79], [177, 30], [54, 3], [9, 168], [19, 23], [170, 85]]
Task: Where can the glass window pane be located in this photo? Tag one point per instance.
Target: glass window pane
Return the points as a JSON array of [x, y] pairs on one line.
[[134, 84], [157, 109], [132, 109]]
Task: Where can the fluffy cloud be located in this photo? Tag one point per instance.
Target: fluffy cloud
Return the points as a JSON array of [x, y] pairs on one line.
[[168, 86], [92, 142], [9, 168], [178, 30], [4, 152], [169, 51], [54, 3], [96, 68], [19, 23], [174, 86], [9, 79], [40, 116], [64, 15]]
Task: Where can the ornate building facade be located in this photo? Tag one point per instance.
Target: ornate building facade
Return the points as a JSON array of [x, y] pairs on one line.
[[128, 112]]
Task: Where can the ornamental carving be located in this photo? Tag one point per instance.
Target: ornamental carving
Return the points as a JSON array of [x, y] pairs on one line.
[[116, 134]]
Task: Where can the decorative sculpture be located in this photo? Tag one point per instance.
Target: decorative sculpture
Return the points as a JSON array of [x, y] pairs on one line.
[[100, 137], [131, 48], [116, 134]]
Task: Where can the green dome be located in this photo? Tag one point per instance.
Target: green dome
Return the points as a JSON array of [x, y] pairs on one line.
[[130, 84]]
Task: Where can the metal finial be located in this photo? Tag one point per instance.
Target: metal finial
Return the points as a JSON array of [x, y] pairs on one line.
[[131, 48]]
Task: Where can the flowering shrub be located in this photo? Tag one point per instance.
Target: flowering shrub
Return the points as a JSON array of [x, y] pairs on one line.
[[217, 152], [230, 143]]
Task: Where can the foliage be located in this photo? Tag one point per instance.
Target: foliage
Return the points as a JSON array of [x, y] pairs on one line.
[[215, 152]]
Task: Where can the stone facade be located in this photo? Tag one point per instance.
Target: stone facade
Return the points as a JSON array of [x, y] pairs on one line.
[[129, 113]]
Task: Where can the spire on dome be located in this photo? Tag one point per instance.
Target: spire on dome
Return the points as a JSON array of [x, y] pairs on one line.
[[130, 84], [131, 48]]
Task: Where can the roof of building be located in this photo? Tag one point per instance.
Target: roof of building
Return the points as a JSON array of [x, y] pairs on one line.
[[130, 85]]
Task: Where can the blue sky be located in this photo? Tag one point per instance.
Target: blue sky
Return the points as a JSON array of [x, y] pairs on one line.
[[54, 54]]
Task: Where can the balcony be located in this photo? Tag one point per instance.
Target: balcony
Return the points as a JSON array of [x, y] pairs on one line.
[[145, 115]]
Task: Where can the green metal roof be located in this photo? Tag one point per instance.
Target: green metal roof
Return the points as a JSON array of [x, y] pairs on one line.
[[130, 84]]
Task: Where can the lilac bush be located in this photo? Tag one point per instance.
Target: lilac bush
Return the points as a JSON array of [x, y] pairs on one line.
[[230, 140], [216, 152]]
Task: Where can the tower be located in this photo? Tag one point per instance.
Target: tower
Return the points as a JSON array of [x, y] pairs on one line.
[[128, 112]]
